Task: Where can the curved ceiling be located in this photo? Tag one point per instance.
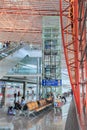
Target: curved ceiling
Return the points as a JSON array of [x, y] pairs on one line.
[[22, 19]]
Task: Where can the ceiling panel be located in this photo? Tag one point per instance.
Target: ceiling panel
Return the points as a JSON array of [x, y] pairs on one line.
[[22, 19]]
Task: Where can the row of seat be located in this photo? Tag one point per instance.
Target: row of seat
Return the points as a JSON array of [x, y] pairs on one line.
[[36, 106]]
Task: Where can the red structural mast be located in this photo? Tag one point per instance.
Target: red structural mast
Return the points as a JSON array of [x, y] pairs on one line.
[[70, 36], [73, 15]]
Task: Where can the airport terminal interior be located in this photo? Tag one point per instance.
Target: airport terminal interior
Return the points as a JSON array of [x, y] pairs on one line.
[[43, 65]]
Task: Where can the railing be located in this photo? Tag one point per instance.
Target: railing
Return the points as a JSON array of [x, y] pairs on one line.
[[6, 51]]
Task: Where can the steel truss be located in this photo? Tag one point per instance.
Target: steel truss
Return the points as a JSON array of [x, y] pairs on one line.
[[73, 25]]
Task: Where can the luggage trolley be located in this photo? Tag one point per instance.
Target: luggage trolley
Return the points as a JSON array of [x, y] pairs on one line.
[[57, 106]]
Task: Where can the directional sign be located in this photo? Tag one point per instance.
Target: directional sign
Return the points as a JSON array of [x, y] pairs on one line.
[[52, 82]]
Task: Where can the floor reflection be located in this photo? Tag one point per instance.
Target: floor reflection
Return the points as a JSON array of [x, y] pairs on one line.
[[47, 120]]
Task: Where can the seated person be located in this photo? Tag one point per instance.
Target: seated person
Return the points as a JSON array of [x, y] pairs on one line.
[[11, 111], [23, 104], [23, 101], [17, 105]]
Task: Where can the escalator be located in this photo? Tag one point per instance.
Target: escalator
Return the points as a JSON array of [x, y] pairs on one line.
[[12, 59]]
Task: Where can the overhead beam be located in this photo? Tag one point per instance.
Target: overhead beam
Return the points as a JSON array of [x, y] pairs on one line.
[[18, 81]]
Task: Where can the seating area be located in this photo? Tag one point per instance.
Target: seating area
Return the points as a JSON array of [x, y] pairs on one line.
[[34, 107]]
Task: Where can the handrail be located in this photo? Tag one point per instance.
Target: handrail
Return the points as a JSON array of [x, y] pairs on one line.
[[9, 50]]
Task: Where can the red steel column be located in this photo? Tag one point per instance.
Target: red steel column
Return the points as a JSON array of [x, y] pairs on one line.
[[69, 29]]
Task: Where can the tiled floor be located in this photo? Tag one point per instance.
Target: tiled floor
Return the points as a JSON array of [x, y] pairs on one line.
[[47, 120]]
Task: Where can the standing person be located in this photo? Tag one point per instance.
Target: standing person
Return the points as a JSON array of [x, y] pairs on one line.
[[32, 94], [18, 95], [15, 96], [71, 92], [63, 97], [27, 95]]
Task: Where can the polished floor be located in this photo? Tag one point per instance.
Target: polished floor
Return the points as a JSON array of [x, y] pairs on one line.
[[72, 122], [46, 120]]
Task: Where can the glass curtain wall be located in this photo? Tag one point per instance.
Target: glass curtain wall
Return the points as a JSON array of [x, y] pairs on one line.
[[51, 55], [8, 89]]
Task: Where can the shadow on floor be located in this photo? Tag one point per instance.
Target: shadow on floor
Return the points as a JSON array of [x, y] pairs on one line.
[[72, 122]]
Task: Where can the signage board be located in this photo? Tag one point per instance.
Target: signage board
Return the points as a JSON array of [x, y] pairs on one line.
[[52, 82]]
